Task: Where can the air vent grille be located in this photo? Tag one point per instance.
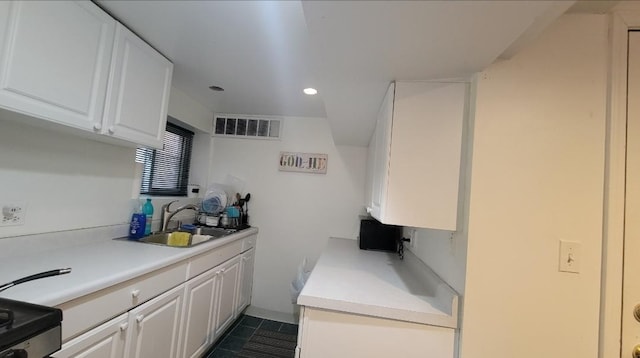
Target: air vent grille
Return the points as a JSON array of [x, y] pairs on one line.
[[243, 126]]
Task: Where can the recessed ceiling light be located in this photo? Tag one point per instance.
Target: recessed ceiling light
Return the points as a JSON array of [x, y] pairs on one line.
[[216, 88], [310, 91]]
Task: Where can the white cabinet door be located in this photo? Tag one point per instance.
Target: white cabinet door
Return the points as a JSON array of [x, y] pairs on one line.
[[381, 154], [199, 314], [105, 341], [155, 326], [54, 60], [245, 284], [325, 333], [229, 275], [138, 96], [417, 156]]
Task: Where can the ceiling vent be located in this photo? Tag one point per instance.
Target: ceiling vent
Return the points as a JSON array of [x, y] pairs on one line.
[[248, 127]]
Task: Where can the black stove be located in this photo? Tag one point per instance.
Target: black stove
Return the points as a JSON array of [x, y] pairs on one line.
[[28, 330]]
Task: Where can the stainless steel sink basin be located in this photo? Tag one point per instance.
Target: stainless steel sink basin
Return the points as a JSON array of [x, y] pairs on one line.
[[186, 239], [174, 239], [216, 232]]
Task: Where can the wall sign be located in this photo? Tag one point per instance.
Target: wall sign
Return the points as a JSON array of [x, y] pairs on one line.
[[303, 162]]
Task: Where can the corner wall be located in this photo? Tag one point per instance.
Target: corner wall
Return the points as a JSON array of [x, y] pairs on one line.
[[537, 178], [295, 212]]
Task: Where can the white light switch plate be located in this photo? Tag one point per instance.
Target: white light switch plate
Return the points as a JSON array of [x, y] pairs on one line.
[[570, 256]]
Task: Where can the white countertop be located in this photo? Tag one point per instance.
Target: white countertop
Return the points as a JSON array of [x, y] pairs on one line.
[[96, 264], [379, 284]]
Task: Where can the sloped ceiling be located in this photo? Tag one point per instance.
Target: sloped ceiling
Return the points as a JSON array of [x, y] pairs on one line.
[[265, 52]]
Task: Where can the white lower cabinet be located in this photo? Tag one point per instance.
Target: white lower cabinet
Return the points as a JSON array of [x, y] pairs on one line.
[[229, 274], [245, 284], [105, 341], [155, 326], [199, 313], [182, 322], [359, 336]]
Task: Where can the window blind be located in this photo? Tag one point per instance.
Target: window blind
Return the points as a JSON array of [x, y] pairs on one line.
[[166, 171]]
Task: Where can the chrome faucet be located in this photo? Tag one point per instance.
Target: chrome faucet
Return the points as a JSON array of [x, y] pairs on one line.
[[167, 214]]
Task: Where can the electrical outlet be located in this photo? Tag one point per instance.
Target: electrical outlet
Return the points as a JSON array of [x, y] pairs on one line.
[[13, 213], [569, 257], [413, 244]]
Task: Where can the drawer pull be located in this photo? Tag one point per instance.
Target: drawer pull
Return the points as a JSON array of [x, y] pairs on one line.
[[139, 318], [135, 293], [124, 326], [97, 126], [112, 130]]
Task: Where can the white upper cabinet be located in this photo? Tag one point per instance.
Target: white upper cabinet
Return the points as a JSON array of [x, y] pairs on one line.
[[416, 152], [70, 63], [54, 60], [138, 96]]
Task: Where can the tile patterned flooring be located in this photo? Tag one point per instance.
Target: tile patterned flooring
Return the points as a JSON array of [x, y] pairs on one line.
[[235, 338]]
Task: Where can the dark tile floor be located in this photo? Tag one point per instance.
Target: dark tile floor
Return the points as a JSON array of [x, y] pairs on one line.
[[234, 339]]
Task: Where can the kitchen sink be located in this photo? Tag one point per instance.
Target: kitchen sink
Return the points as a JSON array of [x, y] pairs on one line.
[[184, 238]]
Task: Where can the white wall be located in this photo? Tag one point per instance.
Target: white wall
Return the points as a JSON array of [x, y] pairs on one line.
[[69, 182], [295, 212], [537, 177]]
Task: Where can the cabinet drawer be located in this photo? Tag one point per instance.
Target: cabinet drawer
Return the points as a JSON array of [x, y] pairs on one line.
[[208, 260], [90, 310], [249, 242]]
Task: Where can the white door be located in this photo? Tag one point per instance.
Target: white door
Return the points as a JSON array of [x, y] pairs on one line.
[[155, 326], [105, 341], [54, 60], [229, 275], [138, 96], [631, 289], [199, 313]]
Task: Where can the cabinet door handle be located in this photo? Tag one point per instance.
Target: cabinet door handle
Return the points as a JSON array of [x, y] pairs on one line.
[[218, 272], [223, 270], [135, 293], [97, 126], [124, 326], [112, 130], [139, 318]]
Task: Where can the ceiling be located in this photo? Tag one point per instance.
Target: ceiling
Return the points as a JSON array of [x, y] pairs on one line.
[[263, 53]]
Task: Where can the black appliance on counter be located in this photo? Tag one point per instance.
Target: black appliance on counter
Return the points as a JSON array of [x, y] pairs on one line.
[[375, 235], [28, 330]]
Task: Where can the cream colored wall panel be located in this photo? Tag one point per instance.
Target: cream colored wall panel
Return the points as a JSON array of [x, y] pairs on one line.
[[537, 178]]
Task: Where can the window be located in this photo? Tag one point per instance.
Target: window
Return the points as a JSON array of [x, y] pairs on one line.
[[166, 171]]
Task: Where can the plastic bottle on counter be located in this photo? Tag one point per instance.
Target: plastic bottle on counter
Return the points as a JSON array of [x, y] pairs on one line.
[[147, 210], [137, 226]]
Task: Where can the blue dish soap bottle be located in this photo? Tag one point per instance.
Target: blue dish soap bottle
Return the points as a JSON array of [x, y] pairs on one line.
[[147, 210], [137, 225]]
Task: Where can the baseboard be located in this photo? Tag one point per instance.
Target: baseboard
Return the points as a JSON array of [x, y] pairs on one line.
[[273, 315]]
